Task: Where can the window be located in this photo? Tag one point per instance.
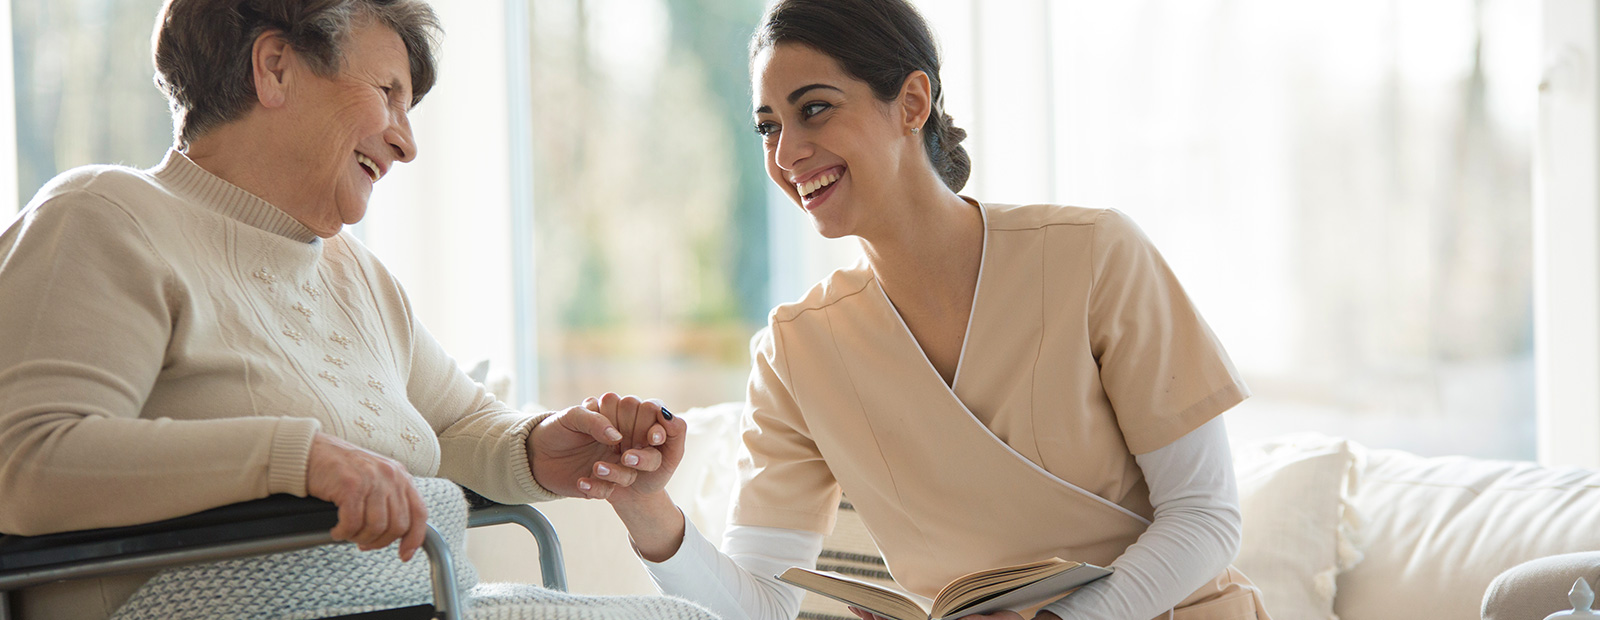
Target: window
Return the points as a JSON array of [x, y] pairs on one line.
[[650, 200], [84, 93], [1343, 188]]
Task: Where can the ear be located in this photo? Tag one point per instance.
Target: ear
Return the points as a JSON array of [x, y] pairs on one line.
[[270, 60], [916, 100]]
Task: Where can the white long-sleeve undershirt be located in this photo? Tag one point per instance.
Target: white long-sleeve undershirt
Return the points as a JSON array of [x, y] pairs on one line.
[[1194, 536]]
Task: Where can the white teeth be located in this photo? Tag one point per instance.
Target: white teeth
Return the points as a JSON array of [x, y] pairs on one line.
[[818, 183], [371, 166]]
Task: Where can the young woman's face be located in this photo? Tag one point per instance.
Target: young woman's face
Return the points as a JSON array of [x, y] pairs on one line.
[[830, 143]]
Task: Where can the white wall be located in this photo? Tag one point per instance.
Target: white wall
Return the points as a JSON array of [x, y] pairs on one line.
[[1567, 225], [442, 222]]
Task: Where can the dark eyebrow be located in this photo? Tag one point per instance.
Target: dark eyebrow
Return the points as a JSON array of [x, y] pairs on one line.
[[797, 94]]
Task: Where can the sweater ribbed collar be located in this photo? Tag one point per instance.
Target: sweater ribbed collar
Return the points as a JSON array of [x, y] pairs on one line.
[[188, 178]]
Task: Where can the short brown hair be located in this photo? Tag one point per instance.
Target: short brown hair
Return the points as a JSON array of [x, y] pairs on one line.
[[203, 48]]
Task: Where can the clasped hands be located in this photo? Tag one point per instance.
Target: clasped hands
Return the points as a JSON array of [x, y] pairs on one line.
[[607, 447]]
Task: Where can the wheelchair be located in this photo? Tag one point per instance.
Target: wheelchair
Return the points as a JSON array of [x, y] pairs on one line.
[[271, 525]]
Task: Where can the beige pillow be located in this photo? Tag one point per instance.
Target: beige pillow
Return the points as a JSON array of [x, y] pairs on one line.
[[1438, 530], [1298, 529]]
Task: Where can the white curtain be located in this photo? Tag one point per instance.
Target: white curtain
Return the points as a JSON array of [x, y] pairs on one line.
[[1344, 188]]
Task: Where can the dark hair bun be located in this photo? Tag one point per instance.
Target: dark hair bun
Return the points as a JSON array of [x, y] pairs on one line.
[[952, 162]]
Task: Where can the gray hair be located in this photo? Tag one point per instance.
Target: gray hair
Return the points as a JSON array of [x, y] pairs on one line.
[[203, 49]]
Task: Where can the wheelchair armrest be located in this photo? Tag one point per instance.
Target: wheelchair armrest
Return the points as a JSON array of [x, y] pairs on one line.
[[485, 511], [269, 525], [263, 518]]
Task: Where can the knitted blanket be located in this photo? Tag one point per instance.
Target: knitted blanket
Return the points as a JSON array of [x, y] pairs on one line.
[[333, 580]]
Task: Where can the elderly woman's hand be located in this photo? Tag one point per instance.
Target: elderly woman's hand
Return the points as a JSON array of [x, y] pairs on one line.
[[651, 454], [580, 452], [377, 502]]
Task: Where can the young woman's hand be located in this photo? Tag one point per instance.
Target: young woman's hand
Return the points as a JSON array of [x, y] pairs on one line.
[[1003, 615], [864, 614], [634, 476], [651, 449], [607, 443], [999, 615]]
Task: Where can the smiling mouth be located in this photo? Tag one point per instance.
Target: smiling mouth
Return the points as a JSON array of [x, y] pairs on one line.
[[370, 166], [813, 188]]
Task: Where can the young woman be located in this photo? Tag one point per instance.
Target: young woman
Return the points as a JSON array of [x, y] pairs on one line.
[[992, 385]]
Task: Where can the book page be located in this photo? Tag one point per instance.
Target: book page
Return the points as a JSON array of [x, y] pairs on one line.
[[1019, 592], [855, 592], [1003, 578]]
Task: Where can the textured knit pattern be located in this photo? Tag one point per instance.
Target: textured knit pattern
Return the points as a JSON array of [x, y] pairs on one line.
[[181, 332], [339, 579], [172, 343]]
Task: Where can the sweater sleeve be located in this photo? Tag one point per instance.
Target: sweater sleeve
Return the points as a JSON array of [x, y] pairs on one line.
[[483, 443], [87, 306]]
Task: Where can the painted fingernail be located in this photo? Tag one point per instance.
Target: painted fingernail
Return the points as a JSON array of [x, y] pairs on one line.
[[613, 435], [602, 469], [666, 415], [630, 460], [583, 486]]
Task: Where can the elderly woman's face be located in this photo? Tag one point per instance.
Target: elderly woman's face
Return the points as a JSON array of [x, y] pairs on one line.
[[353, 125]]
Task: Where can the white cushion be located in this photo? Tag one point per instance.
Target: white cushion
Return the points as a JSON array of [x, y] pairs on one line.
[[1438, 530], [1297, 528], [704, 483]]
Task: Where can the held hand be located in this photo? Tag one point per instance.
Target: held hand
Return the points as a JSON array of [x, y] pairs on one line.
[[565, 447], [377, 502], [581, 453], [649, 455]]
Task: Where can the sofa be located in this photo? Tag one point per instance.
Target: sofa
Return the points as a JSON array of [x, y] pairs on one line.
[[1337, 530], [1333, 529]]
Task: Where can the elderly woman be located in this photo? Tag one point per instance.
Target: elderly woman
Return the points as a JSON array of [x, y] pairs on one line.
[[200, 333]]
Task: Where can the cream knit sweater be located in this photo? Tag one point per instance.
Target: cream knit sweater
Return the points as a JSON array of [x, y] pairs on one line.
[[170, 343]]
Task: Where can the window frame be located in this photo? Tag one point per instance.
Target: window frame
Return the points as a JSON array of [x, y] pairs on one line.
[[8, 119], [1566, 205]]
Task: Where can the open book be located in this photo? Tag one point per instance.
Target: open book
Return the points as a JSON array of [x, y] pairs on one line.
[[985, 591]]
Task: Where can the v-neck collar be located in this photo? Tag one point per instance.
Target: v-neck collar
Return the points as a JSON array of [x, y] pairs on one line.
[[972, 311]]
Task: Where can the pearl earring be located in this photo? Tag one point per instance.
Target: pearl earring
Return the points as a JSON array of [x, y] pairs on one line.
[[915, 129]]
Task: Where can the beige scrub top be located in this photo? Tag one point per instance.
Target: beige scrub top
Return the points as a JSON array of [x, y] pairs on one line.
[[1082, 350]]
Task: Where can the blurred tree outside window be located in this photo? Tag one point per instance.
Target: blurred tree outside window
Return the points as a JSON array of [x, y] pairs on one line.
[[84, 89], [649, 199]]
